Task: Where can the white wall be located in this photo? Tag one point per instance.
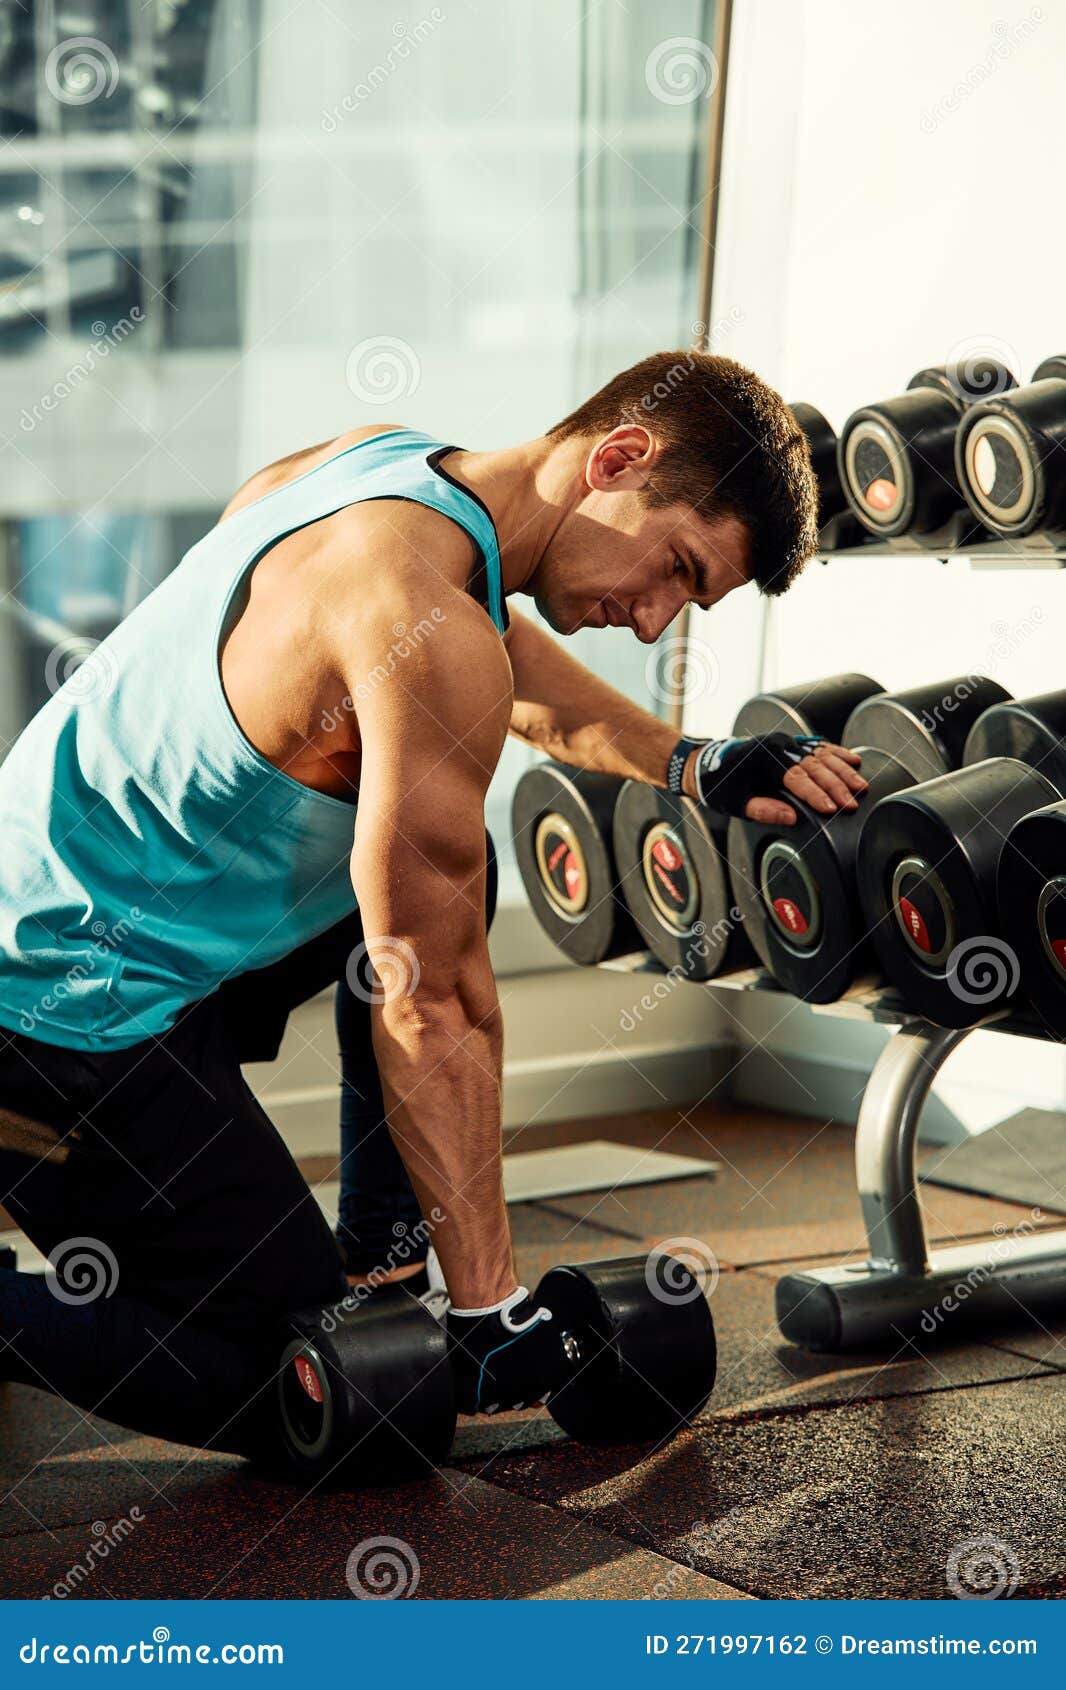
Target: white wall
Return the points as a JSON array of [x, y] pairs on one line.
[[890, 191]]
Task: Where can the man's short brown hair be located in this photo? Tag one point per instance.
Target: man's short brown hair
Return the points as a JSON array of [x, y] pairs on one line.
[[730, 444]]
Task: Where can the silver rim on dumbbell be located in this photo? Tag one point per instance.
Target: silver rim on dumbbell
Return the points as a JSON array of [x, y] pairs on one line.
[[777, 852], [313, 1437], [678, 917], [983, 457], [556, 827], [916, 868], [1050, 891], [871, 428]]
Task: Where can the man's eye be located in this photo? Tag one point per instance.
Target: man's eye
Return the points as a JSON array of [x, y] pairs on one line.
[[679, 566]]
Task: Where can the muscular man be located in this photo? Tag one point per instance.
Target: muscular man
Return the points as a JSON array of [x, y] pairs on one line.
[[274, 770]]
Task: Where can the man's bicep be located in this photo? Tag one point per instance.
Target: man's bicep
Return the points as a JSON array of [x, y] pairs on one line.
[[418, 858]]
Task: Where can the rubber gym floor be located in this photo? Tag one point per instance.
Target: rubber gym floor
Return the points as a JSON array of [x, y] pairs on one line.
[[805, 1476]]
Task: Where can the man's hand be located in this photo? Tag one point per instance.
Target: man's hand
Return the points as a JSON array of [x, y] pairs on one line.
[[738, 776], [504, 1357]]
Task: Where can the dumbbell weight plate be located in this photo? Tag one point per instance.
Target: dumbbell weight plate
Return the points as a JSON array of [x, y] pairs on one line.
[[796, 886], [670, 860], [927, 880], [640, 1339], [822, 440], [819, 707], [365, 1390], [562, 821], [1009, 455], [897, 459], [925, 728], [1031, 897], [1033, 730]]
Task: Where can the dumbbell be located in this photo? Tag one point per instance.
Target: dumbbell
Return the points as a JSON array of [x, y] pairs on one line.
[[1031, 898], [927, 880], [562, 820], [796, 888], [365, 1389], [924, 728], [820, 707], [638, 1345], [670, 855], [897, 457], [836, 524], [1009, 455], [1031, 729]]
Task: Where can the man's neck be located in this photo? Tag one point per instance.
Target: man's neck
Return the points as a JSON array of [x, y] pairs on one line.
[[527, 490]]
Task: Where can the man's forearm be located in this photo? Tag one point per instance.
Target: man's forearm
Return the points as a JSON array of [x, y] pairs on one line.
[[440, 1074], [569, 713]]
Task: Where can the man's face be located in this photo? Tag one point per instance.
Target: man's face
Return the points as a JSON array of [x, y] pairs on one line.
[[616, 561]]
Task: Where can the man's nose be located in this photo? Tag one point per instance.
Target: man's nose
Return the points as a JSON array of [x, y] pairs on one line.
[[654, 616]]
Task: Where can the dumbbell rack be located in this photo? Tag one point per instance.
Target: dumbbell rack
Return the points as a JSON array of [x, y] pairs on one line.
[[903, 1286]]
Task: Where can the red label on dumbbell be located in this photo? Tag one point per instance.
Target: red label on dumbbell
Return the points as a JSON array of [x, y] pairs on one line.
[[1059, 948], [572, 874], [308, 1378], [664, 880], [881, 494], [667, 855], [915, 926], [789, 915]]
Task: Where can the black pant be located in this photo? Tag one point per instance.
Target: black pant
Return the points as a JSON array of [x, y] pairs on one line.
[[187, 1230]]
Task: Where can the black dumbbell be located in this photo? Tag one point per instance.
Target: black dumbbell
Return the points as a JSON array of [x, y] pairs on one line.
[[1009, 455], [365, 1389], [638, 1347], [897, 457], [562, 821], [821, 707]]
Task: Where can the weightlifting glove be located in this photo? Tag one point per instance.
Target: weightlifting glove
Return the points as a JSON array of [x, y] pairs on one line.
[[504, 1357], [730, 772]]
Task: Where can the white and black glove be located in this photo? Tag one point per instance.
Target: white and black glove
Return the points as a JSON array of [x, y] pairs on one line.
[[507, 1356]]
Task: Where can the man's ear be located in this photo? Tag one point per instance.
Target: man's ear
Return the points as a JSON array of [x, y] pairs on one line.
[[622, 459]]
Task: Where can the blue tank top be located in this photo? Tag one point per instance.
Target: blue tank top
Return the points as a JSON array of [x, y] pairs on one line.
[[149, 851]]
